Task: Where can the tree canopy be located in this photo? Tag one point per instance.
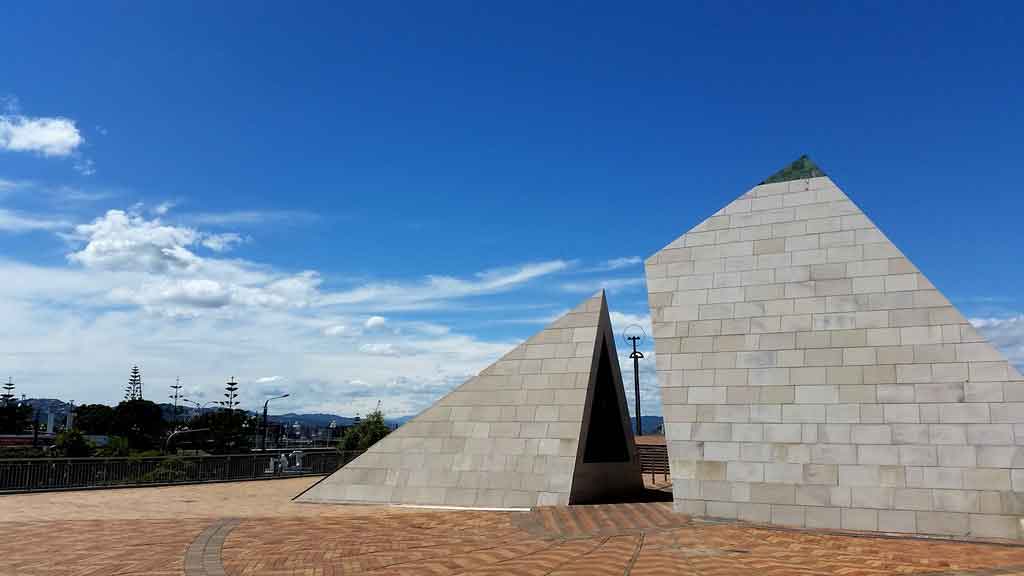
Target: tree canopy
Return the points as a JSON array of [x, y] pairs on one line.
[[94, 418], [15, 417], [140, 421], [366, 433]]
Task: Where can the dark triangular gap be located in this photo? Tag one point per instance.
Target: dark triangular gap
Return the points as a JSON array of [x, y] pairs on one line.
[[606, 439], [800, 169]]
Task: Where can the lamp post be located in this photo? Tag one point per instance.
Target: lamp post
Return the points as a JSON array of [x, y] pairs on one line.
[[636, 355], [263, 442]]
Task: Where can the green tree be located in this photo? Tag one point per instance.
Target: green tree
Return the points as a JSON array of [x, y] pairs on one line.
[[15, 417], [72, 444], [94, 418], [229, 430], [116, 446], [366, 433], [141, 422]]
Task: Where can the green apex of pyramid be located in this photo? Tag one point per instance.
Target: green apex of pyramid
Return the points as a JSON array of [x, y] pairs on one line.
[[801, 168]]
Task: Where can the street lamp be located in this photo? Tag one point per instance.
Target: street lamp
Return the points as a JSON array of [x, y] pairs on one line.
[[636, 355], [263, 443]]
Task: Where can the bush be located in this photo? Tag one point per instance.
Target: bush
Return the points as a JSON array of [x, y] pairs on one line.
[[116, 446], [71, 444], [366, 433]]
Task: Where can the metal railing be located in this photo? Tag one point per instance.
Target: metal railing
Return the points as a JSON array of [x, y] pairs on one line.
[[653, 459], [48, 474]]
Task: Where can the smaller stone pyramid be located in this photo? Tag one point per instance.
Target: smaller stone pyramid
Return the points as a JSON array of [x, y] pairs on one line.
[[547, 424]]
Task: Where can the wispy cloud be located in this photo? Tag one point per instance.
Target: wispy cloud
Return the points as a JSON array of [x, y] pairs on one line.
[[15, 222], [618, 263], [612, 285], [435, 290], [247, 217], [222, 242]]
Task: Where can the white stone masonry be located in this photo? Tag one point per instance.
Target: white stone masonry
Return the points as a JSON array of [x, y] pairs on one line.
[[812, 376]]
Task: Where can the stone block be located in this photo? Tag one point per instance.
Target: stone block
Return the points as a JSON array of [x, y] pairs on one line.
[[943, 523], [783, 473], [772, 493], [918, 455], [964, 413], [958, 456], [833, 454], [871, 434], [942, 392], [823, 518], [808, 413], [990, 526], [955, 500], [883, 455], [986, 479], [859, 519], [897, 521], [788, 515], [817, 394], [745, 472], [755, 512], [872, 497], [912, 499]]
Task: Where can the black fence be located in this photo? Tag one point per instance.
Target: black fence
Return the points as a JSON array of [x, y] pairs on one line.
[[47, 474]]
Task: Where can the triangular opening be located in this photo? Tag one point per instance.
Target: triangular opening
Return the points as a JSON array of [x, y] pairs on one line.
[[800, 169], [605, 437]]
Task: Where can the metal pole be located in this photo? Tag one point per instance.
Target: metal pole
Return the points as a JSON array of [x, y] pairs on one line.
[[263, 442], [636, 356]]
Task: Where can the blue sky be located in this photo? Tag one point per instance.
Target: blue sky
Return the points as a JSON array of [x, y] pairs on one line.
[[373, 202]]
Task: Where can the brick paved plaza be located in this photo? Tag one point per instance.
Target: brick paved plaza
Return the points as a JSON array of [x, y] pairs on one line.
[[253, 528]]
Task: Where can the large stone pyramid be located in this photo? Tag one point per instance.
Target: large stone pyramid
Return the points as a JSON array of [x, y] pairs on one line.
[[812, 376], [546, 424]]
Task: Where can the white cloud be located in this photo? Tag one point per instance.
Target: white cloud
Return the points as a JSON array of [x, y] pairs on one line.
[[59, 334], [15, 222], [247, 217], [7, 185], [46, 136], [437, 289], [85, 166], [122, 240], [136, 289], [617, 263], [375, 322], [612, 285], [222, 242], [339, 330], [9, 104], [162, 208], [384, 349], [1006, 334]]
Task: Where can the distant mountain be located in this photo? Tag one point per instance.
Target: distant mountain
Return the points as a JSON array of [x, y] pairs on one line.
[[315, 419], [322, 420], [185, 411], [651, 424], [47, 405]]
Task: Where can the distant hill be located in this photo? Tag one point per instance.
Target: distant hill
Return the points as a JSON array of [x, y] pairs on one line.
[[47, 405], [651, 424], [315, 419]]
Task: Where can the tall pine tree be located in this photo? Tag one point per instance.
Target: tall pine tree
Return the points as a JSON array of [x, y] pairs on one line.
[[134, 389]]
